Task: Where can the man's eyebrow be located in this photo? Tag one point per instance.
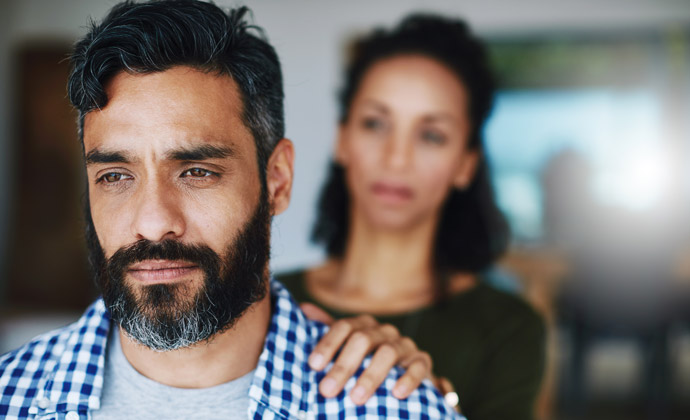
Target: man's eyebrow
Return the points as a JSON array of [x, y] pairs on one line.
[[99, 156], [204, 152]]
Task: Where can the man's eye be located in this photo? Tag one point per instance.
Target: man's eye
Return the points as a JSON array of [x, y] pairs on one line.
[[197, 173], [110, 177]]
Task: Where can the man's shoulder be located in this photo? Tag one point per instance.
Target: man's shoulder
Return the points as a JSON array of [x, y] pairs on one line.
[[289, 379], [424, 403], [50, 358], [47, 346]]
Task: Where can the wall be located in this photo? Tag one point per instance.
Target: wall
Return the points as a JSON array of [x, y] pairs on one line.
[[308, 35]]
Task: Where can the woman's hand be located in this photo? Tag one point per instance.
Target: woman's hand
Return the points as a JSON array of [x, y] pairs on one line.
[[448, 391], [358, 337]]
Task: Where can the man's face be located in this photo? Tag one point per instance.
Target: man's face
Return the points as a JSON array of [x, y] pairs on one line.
[[180, 218]]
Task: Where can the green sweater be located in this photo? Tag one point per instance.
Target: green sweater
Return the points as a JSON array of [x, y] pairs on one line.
[[488, 343]]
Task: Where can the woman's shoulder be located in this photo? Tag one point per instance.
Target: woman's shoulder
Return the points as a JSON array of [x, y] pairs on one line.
[[291, 276], [497, 309], [295, 281]]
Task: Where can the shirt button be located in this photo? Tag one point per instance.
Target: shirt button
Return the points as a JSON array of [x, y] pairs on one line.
[[43, 403], [302, 415], [72, 415]]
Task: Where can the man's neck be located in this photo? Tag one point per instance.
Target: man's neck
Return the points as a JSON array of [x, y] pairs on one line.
[[227, 356]]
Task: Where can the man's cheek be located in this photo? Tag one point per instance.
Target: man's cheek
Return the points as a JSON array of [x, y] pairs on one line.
[[111, 229], [214, 227], [106, 240]]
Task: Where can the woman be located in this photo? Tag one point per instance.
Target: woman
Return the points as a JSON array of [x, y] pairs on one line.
[[409, 220]]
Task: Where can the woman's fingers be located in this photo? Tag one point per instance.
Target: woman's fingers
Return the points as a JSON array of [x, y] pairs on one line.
[[359, 344], [448, 391], [335, 338], [315, 313], [418, 367], [356, 338], [387, 355]]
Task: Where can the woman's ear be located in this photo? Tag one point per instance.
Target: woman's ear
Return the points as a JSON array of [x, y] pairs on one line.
[[279, 174], [341, 155], [466, 170]]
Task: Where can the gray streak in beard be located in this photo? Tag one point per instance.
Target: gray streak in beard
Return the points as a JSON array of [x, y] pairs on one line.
[[192, 327]]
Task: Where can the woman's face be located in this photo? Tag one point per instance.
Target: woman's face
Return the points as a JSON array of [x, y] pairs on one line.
[[405, 143]]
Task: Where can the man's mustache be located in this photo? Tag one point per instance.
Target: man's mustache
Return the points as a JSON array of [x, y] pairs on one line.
[[169, 249]]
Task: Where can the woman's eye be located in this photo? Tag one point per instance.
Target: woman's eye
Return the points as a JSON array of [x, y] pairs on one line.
[[197, 173], [373, 124], [432, 136]]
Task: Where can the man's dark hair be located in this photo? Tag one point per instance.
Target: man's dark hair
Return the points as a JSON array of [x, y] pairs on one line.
[[157, 35], [472, 232]]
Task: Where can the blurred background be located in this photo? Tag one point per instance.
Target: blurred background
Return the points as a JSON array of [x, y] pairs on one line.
[[589, 145]]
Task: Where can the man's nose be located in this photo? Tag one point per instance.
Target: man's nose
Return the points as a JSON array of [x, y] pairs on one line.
[[157, 213]]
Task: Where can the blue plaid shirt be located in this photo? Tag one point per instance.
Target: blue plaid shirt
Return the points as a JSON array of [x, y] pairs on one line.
[[59, 375]]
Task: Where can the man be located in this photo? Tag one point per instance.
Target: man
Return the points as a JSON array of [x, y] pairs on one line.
[[181, 123]]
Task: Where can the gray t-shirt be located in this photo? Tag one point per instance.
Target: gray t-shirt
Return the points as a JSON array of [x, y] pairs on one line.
[[127, 394]]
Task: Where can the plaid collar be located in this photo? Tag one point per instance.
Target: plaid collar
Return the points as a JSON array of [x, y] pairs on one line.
[[60, 374], [283, 380]]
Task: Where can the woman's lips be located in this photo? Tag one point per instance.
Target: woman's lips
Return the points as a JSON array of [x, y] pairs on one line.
[[161, 271], [392, 193]]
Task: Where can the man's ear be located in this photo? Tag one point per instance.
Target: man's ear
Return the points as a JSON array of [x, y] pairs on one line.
[[279, 174], [467, 169]]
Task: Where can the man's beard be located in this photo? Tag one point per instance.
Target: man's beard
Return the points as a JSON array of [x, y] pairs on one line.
[[167, 317]]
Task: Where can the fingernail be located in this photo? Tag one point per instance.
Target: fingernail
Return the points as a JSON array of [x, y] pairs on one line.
[[328, 386], [358, 394], [316, 361], [400, 391]]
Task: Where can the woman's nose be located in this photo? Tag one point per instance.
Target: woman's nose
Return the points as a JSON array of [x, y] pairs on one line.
[[398, 153]]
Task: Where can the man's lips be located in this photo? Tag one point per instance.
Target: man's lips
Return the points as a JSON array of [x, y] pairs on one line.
[[161, 271]]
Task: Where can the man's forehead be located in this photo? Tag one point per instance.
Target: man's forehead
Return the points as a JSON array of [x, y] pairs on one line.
[[179, 89], [184, 79], [180, 107]]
